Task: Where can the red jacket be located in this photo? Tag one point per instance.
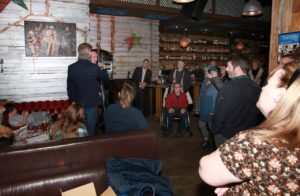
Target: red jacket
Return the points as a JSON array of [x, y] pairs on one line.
[[173, 102]]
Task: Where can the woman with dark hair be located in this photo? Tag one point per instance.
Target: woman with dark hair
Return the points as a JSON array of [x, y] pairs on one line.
[[121, 116], [71, 124], [264, 159]]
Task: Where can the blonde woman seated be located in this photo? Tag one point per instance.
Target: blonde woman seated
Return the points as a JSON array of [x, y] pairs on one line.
[[71, 124], [265, 159], [121, 116]]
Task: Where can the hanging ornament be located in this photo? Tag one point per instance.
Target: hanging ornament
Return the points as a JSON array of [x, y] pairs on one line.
[[184, 42], [240, 46], [134, 39], [20, 3]]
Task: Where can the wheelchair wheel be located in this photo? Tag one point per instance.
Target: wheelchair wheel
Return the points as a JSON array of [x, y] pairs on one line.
[[165, 133], [161, 121], [163, 129], [188, 128]]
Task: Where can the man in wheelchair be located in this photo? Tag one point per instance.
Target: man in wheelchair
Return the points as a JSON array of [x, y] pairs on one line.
[[176, 108]]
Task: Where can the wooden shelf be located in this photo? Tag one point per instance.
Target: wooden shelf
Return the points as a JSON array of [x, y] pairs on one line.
[[198, 44], [201, 50], [168, 51]]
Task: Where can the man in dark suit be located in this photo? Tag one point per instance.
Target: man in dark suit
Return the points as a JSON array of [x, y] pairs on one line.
[[83, 85], [142, 77]]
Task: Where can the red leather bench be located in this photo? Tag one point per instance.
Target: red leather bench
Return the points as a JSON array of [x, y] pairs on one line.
[[54, 107]]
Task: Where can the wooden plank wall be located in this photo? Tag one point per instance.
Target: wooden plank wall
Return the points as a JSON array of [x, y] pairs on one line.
[[111, 33], [285, 18], [37, 78]]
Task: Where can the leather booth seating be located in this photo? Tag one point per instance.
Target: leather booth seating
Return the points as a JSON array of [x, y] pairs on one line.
[[53, 166], [55, 107]]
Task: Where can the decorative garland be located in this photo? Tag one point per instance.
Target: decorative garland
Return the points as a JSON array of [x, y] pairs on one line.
[[47, 6], [20, 3]]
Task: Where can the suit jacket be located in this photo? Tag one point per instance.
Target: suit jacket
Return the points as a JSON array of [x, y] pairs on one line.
[[137, 75], [83, 83]]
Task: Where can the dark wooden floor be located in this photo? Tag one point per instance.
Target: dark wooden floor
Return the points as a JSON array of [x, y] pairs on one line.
[[180, 158]]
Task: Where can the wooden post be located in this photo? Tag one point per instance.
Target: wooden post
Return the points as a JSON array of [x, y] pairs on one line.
[[285, 18], [196, 93], [274, 35], [158, 101]]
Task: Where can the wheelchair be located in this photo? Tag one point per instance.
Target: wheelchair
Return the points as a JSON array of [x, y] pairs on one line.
[[165, 127]]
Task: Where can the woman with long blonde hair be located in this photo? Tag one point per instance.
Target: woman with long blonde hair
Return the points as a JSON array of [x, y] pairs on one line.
[[264, 159], [121, 116], [276, 87], [71, 124]]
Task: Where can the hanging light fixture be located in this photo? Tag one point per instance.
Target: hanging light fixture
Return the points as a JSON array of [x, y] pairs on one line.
[[183, 1], [252, 8], [240, 46], [184, 41]]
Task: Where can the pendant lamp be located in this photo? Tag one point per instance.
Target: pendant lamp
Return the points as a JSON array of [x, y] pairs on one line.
[[184, 41], [252, 8], [240, 46], [183, 1]]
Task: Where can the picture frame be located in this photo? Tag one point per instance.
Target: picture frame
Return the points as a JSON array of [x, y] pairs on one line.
[[287, 43], [49, 39]]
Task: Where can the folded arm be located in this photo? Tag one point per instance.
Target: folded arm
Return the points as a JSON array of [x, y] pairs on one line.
[[213, 171]]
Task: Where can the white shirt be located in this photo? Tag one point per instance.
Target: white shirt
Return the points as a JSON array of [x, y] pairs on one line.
[[143, 74]]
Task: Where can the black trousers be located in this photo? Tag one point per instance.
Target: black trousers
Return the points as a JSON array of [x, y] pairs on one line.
[[139, 99], [177, 114]]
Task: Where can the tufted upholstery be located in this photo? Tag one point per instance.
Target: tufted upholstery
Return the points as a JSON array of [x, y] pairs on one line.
[[55, 106]]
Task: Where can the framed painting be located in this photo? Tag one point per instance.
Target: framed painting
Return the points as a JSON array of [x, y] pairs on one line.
[[50, 39], [287, 43]]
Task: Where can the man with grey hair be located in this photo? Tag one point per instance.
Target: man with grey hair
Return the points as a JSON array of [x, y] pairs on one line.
[[83, 85]]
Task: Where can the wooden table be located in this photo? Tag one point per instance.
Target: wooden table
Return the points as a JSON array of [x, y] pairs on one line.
[[158, 89]]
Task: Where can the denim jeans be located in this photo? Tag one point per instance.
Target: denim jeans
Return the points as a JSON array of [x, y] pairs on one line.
[[91, 119], [134, 176], [204, 130]]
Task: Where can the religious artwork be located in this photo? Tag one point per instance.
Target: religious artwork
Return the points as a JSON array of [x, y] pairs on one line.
[[50, 39], [134, 39], [287, 43]]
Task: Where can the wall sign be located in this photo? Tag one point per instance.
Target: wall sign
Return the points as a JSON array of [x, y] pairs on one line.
[[287, 43], [50, 39]]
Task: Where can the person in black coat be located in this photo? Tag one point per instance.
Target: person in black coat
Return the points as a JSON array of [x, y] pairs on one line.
[[83, 85], [180, 75], [235, 108], [142, 77]]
